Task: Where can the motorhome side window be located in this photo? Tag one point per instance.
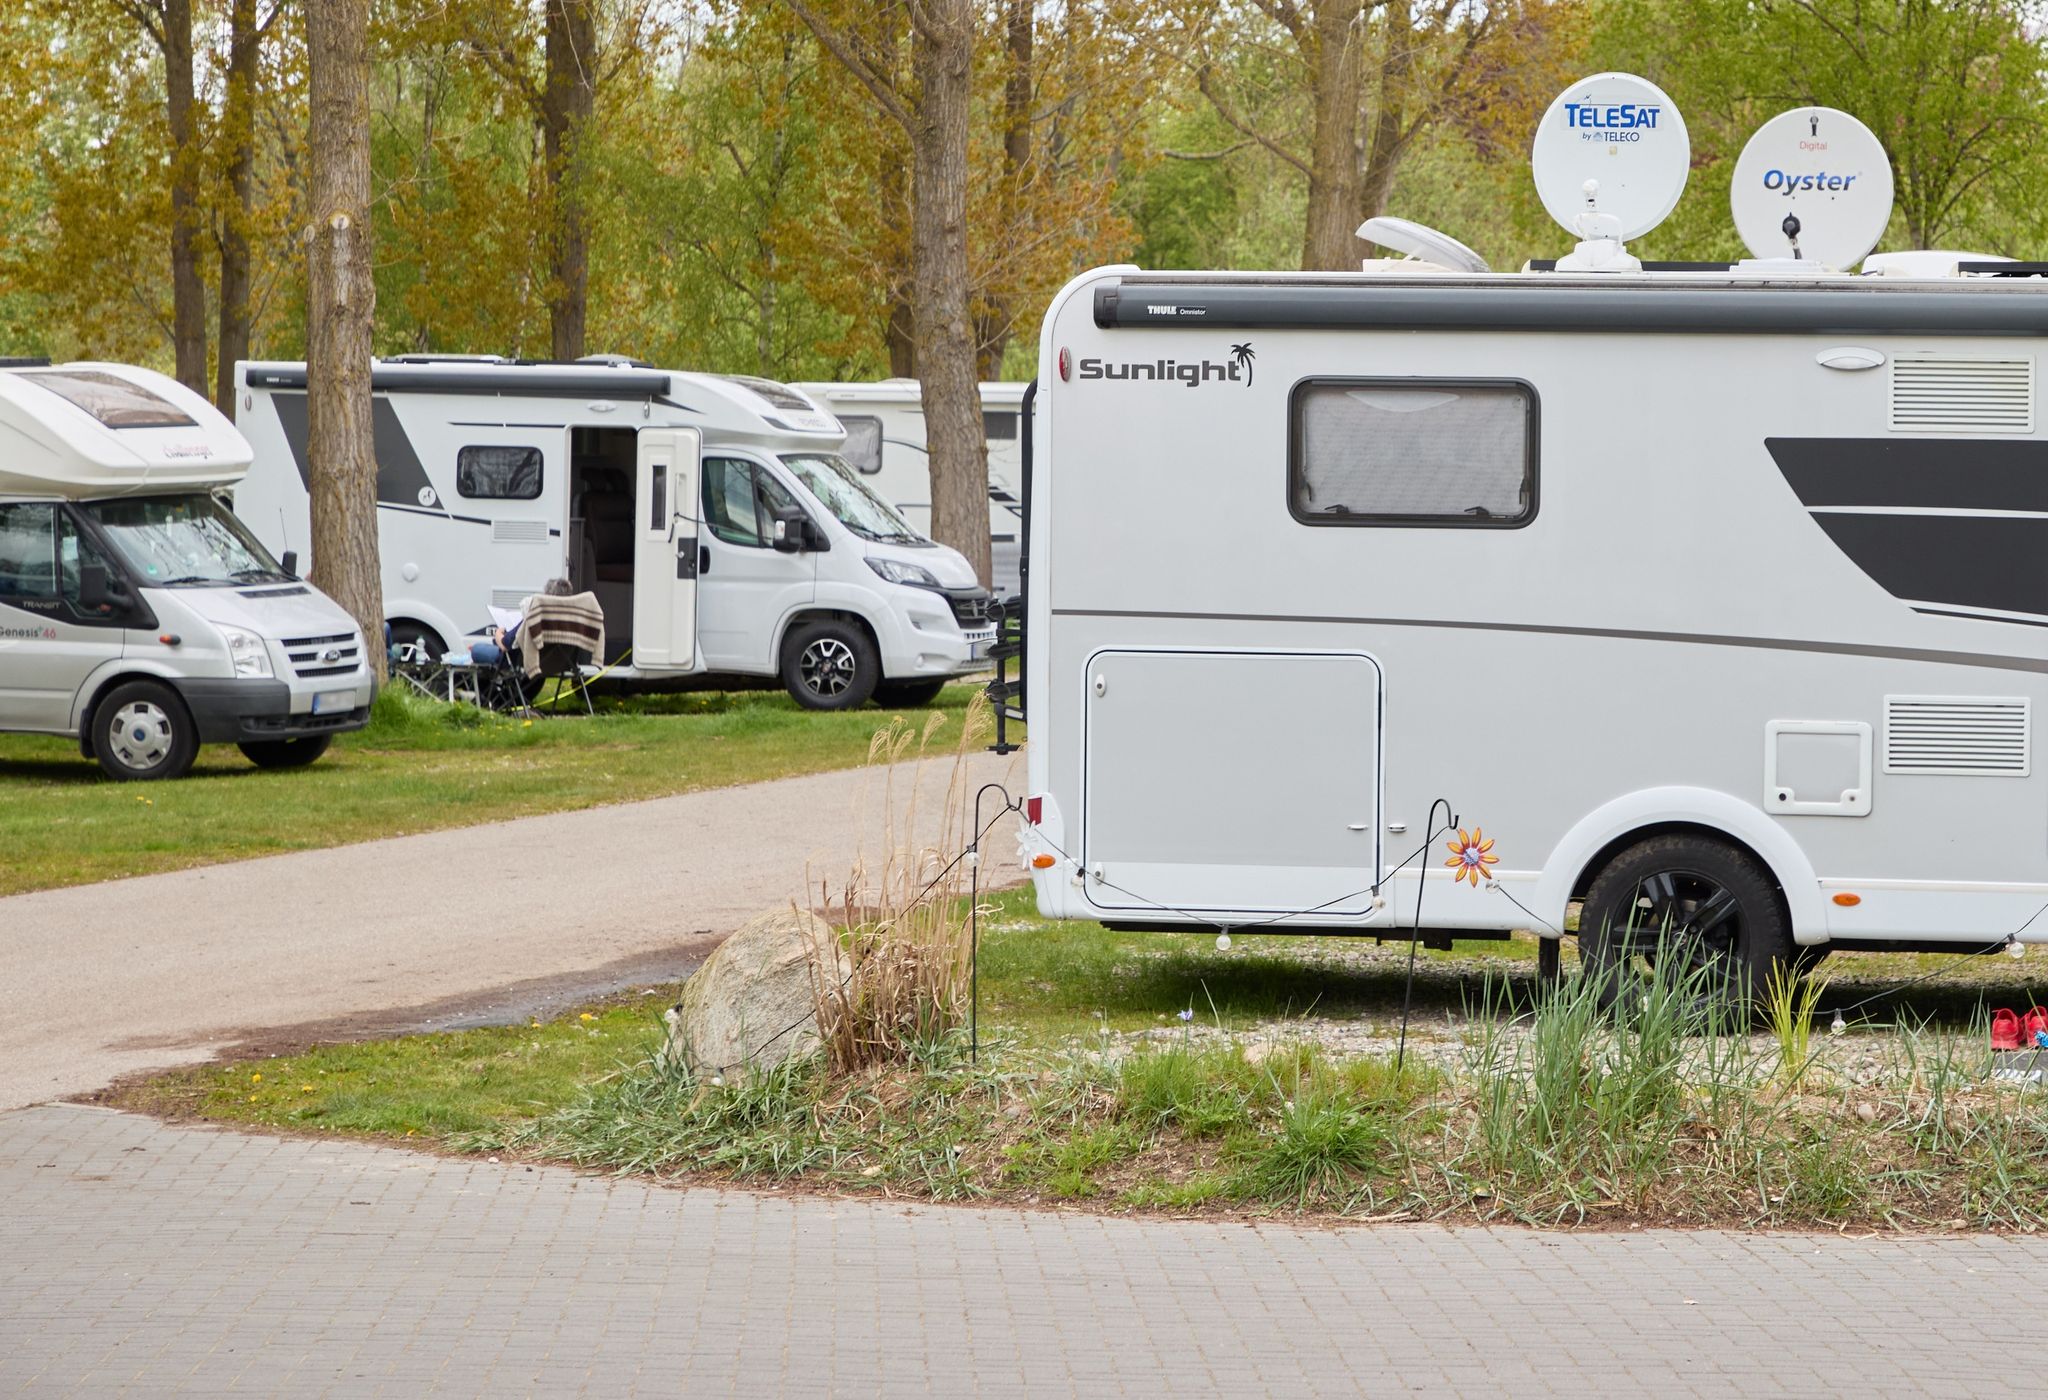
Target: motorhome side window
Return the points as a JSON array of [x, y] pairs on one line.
[[1412, 452], [863, 448], [498, 473], [741, 501], [28, 550]]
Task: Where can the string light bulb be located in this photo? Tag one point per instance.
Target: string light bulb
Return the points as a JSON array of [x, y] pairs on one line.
[[1838, 1025], [1222, 942], [2016, 948]]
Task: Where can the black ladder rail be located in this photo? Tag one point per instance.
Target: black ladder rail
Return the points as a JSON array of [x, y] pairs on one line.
[[1004, 693]]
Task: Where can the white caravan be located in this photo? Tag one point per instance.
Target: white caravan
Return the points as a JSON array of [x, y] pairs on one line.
[[713, 518], [885, 442], [1716, 600], [137, 614]]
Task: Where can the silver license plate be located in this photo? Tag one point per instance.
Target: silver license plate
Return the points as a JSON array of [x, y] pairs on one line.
[[329, 702]]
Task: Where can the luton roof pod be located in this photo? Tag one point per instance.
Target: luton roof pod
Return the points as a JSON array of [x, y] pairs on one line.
[[86, 429]]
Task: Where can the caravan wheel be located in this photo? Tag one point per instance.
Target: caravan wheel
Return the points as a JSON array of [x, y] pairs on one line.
[[1686, 906]]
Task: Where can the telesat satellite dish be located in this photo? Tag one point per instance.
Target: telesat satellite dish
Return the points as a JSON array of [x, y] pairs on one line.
[[1813, 184], [1610, 159]]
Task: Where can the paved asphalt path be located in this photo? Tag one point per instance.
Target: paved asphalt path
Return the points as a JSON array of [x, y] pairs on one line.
[[140, 1258], [102, 980]]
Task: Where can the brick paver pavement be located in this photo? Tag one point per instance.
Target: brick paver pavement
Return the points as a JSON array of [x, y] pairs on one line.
[[145, 1258]]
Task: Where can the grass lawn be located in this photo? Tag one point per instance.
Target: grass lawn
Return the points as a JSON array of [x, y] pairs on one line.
[[1092, 1085], [418, 767]]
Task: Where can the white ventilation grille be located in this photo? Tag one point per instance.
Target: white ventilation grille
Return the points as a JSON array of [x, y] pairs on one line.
[[511, 597], [519, 532], [1958, 735], [1962, 394]]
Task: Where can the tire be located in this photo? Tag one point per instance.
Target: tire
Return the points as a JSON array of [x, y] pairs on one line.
[[907, 695], [830, 665], [141, 731], [1704, 901], [405, 633], [287, 753]]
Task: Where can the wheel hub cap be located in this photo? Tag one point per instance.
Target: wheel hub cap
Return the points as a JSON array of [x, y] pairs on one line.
[[827, 666], [140, 736]]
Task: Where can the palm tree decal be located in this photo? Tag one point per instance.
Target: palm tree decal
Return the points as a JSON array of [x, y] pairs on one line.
[[1242, 355]]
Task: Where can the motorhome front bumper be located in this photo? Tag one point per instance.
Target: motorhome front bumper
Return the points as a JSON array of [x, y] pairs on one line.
[[249, 711]]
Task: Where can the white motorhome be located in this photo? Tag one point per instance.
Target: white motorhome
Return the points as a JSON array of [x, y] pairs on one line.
[[1717, 599], [137, 614], [885, 442], [713, 517]]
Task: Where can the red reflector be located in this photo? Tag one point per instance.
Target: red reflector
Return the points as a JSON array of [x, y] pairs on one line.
[[1034, 808]]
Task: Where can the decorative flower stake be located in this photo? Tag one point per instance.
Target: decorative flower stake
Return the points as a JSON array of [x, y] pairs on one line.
[[1471, 853]]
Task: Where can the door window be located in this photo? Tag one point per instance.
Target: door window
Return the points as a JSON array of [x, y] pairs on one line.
[[28, 551], [729, 508], [74, 550]]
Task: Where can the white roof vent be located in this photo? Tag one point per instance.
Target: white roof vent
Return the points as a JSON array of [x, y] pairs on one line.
[[1962, 394]]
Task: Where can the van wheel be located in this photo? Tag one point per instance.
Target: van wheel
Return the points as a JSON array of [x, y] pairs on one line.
[[830, 665], [1702, 907], [417, 634], [907, 695], [142, 731], [287, 753]]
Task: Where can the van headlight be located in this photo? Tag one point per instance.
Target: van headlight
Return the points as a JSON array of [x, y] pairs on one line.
[[896, 571], [247, 651]]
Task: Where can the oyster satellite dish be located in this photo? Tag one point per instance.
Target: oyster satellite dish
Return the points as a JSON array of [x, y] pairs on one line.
[[1814, 184], [1613, 145]]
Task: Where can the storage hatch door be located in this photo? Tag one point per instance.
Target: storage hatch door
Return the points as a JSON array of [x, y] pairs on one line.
[[1232, 782]]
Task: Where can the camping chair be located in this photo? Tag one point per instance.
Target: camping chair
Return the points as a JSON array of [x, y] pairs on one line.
[[563, 664]]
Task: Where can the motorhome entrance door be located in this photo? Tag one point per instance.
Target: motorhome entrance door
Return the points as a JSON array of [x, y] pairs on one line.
[[665, 549], [1232, 782]]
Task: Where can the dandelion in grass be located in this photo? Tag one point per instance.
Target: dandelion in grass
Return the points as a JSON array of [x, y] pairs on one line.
[[1471, 853]]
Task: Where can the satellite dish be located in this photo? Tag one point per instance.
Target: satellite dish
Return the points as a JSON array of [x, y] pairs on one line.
[[1423, 243], [1815, 184], [1623, 136]]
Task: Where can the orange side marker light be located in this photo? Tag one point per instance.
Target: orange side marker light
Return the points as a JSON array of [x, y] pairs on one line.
[[1043, 862], [1848, 901]]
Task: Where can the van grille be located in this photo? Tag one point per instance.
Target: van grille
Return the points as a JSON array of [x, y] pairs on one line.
[[970, 608], [1962, 394], [324, 656], [1961, 736]]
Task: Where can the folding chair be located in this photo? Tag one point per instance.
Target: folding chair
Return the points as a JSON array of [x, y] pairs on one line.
[[563, 664]]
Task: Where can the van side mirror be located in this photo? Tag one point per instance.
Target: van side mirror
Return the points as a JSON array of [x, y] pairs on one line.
[[792, 530], [290, 562], [93, 592]]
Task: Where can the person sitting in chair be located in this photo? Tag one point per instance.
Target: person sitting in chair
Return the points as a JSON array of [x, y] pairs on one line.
[[496, 650]]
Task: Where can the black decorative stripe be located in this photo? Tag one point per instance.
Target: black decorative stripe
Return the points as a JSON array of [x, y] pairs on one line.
[[1851, 308], [1942, 473], [1962, 560]]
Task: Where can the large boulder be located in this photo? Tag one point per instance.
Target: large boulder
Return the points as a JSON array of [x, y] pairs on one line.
[[752, 1004]]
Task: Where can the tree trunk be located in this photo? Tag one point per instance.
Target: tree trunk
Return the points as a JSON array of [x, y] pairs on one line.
[[1389, 140], [942, 62], [341, 303], [900, 330], [566, 105], [238, 143], [188, 292], [994, 336], [1328, 241]]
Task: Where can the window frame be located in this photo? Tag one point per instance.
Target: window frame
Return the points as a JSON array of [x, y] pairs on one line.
[[540, 476], [881, 442], [1297, 399]]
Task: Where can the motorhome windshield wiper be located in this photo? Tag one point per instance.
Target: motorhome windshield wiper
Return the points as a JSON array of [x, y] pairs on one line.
[[183, 581], [261, 575]]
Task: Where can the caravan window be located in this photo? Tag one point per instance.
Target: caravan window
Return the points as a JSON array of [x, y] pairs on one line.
[[741, 501], [498, 473], [863, 449], [1412, 452], [999, 424], [28, 554]]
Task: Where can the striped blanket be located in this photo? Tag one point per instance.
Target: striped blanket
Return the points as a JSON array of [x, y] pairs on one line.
[[574, 621]]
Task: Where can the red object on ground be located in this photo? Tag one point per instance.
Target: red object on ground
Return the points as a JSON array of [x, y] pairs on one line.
[[2034, 1023], [2005, 1030]]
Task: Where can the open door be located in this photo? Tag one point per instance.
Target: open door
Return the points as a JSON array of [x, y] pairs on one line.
[[665, 549]]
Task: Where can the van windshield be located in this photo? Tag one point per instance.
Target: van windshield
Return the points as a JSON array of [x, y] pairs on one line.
[[860, 510], [184, 541]]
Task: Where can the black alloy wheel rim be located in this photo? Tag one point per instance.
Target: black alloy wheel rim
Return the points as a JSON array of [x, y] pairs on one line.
[[1689, 917]]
